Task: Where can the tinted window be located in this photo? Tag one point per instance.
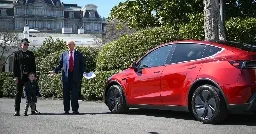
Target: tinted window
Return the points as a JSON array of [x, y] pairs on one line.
[[211, 50], [187, 52], [157, 57]]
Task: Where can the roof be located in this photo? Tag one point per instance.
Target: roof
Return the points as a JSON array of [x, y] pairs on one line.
[[86, 15], [6, 4], [51, 2], [77, 14]]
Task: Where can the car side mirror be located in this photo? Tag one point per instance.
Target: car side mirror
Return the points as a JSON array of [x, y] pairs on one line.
[[134, 66]]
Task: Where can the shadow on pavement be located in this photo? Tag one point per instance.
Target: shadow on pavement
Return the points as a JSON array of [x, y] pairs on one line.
[[242, 119], [72, 113]]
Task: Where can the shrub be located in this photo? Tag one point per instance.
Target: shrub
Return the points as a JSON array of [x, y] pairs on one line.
[[194, 29], [92, 89], [50, 86], [242, 30], [49, 62], [3, 77], [9, 87], [121, 53], [50, 46], [90, 54]]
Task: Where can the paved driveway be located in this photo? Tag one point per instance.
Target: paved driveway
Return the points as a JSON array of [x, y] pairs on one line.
[[95, 118]]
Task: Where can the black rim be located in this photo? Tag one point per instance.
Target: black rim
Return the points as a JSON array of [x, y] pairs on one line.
[[205, 105], [113, 98]]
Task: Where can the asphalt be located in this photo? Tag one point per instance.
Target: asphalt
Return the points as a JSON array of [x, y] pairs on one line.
[[95, 118]]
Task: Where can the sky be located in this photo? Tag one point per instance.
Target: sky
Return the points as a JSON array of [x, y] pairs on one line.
[[104, 6]]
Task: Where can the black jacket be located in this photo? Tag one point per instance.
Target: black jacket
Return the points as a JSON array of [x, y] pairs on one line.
[[18, 62], [31, 90]]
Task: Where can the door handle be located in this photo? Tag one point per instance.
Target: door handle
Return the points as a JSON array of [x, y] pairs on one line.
[[192, 67], [157, 72]]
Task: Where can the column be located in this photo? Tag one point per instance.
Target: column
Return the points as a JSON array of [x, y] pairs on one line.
[[7, 65]]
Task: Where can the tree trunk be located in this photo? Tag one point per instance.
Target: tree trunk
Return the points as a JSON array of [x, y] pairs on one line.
[[213, 27], [221, 22]]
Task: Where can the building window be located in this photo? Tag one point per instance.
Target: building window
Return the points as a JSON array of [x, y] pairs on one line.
[[10, 26], [88, 27], [3, 12], [21, 25], [30, 24], [30, 11], [49, 13], [92, 14], [71, 15], [58, 26], [49, 25]]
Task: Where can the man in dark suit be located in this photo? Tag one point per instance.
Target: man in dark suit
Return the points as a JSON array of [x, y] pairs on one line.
[[73, 68], [24, 63]]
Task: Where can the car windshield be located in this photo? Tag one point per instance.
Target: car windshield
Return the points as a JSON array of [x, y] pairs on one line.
[[242, 46]]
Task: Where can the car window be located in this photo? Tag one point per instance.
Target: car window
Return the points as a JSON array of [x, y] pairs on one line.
[[210, 51], [186, 52], [157, 57]]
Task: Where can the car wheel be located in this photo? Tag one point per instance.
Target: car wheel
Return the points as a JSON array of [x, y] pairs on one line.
[[115, 100], [208, 105]]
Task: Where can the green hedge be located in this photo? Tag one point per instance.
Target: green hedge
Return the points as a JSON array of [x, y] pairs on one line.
[[49, 62], [5, 77], [51, 87], [121, 53], [242, 30]]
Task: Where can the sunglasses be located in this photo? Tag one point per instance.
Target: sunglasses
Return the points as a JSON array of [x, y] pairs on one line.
[[26, 44]]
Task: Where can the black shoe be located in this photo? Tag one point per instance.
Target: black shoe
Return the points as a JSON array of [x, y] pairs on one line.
[[17, 113], [25, 114], [75, 112], [66, 112], [33, 112]]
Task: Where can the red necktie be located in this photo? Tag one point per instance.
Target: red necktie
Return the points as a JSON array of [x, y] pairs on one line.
[[71, 62]]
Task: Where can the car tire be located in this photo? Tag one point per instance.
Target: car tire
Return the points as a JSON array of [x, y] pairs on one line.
[[208, 105], [116, 100]]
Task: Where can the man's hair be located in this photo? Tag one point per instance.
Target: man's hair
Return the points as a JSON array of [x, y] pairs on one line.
[[31, 73]]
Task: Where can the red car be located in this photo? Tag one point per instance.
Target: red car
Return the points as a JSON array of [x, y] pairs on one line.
[[208, 79]]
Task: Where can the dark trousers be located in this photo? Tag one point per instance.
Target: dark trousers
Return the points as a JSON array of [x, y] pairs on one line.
[[70, 87], [19, 91]]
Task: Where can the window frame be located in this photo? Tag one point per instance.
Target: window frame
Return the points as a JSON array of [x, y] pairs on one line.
[[212, 56], [150, 52]]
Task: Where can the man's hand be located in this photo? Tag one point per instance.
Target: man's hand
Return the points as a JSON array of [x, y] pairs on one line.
[[51, 73]]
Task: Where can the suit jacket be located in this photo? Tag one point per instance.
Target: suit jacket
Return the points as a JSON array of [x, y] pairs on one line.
[[17, 64], [78, 68]]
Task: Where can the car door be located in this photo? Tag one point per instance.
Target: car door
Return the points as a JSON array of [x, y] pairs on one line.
[[144, 85], [182, 69]]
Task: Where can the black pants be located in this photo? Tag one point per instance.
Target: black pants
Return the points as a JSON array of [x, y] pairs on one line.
[[19, 91], [70, 87]]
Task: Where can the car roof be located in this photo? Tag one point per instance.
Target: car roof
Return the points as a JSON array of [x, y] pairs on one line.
[[223, 44]]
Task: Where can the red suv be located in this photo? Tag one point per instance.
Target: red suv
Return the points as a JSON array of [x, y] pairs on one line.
[[208, 79]]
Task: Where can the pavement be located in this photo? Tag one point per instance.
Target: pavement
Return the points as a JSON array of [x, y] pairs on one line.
[[95, 118]]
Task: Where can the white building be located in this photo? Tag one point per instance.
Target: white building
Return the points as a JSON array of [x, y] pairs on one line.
[[50, 16]]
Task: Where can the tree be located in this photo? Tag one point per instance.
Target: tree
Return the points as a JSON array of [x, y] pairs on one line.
[[213, 26], [115, 29], [141, 14], [8, 44]]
